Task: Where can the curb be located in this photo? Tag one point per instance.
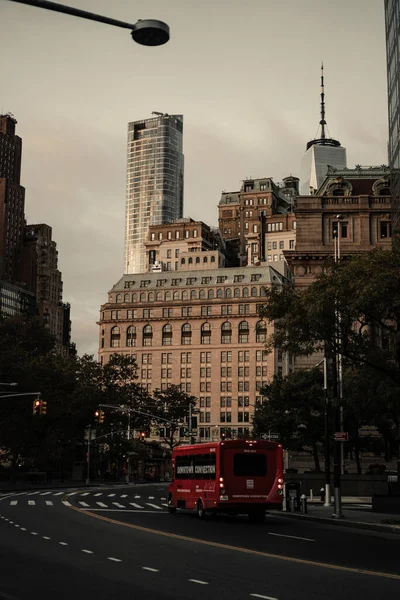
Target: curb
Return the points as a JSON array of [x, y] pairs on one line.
[[380, 527], [79, 485]]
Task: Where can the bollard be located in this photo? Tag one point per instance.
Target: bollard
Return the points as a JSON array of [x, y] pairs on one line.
[[303, 504], [322, 492], [311, 496], [292, 505]]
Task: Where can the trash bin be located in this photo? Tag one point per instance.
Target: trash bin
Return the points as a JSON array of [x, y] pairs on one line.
[[292, 495]]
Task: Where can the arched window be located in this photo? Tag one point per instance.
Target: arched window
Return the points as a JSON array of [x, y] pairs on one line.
[[190, 260], [212, 259], [134, 297], [263, 291], [176, 295], [261, 332], [226, 333], [236, 292], [115, 337], [185, 295], [197, 259], [131, 336], [183, 260], [126, 298], [243, 332], [118, 298], [202, 294], [205, 259], [159, 296], [167, 296], [142, 297], [147, 335], [338, 192], [186, 334], [167, 335], [151, 296], [228, 293], [245, 292], [254, 291], [210, 294], [205, 334], [193, 295], [220, 293]]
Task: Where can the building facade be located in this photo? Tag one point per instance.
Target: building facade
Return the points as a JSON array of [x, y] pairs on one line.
[[198, 329], [154, 188], [15, 300], [392, 21], [321, 153]]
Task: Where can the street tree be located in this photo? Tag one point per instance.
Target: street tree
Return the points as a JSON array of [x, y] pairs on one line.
[[173, 407]]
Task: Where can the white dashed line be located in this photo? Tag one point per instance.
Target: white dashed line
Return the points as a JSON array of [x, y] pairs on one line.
[[63, 543], [163, 498], [84, 504], [73, 493], [153, 505], [111, 495], [49, 503], [102, 504], [265, 597], [16, 525], [58, 493], [13, 502], [292, 537], [198, 581], [151, 569], [46, 537], [23, 528], [163, 504], [135, 505], [114, 559], [66, 503], [85, 494], [31, 502], [11, 522], [118, 504], [87, 551], [151, 497], [34, 533], [46, 493], [99, 494], [136, 497], [124, 495]]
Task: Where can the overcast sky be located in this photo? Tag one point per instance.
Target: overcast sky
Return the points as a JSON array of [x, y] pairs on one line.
[[245, 75]]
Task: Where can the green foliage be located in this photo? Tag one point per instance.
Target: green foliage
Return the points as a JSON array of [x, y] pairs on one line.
[[173, 405]]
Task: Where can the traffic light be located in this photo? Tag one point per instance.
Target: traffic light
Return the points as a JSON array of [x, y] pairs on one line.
[[97, 416], [223, 436], [43, 407], [36, 407], [142, 436], [101, 416]]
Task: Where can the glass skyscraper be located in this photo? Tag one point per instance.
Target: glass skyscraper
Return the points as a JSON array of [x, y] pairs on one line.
[[392, 18], [320, 153], [154, 188]]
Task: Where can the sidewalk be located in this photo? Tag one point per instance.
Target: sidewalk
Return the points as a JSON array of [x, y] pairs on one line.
[[22, 486], [355, 518]]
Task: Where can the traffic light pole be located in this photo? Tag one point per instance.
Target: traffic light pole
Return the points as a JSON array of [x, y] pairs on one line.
[[88, 455]]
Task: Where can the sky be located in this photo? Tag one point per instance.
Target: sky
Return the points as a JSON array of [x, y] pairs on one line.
[[245, 75]]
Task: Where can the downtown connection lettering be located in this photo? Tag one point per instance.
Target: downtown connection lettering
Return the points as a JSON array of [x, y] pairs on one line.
[[195, 469]]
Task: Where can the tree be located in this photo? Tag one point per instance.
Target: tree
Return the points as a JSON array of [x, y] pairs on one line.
[[294, 408], [172, 405]]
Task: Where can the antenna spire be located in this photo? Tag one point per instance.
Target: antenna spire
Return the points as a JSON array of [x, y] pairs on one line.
[[322, 121]]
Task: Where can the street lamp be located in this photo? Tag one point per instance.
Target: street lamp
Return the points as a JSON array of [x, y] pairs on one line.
[[147, 32]]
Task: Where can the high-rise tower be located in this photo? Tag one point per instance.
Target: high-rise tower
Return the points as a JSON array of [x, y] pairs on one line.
[[154, 189], [320, 153]]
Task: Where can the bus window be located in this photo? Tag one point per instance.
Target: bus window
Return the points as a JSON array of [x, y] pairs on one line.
[[250, 465]]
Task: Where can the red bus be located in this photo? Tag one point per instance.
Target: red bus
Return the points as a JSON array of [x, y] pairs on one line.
[[233, 476]]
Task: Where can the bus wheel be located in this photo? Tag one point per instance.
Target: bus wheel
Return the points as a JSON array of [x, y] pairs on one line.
[[257, 516], [201, 513]]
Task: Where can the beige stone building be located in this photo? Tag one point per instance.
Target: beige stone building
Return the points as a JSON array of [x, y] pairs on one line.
[[198, 329]]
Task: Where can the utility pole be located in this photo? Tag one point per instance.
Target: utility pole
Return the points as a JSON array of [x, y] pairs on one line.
[[88, 455], [327, 440], [128, 437]]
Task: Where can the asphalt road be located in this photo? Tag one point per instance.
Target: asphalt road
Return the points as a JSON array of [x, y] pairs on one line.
[[122, 543]]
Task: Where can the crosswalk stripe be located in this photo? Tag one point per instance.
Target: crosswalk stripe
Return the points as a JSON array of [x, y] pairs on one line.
[[49, 502], [58, 493], [66, 503], [45, 493], [153, 505], [99, 494], [163, 504], [13, 502], [118, 504], [163, 498], [137, 496], [102, 504], [85, 494], [124, 495], [151, 497], [83, 504], [110, 495], [31, 502], [135, 505]]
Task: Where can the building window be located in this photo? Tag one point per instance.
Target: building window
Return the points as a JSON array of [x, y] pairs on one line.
[[169, 252], [126, 298], [206, 311], [186, 311], [202, 294], [167, 312], [210, 294], [205, 333], [385, 229], [167, 335], [291, 244], [118, 298], [115, 338], [186, 334], [176, 295], [343, 229], [245, 292], [226, 333], [253, 292], [243, 332], [281, 245], [261, 332], [212, 259], [220, 293], [185, 295], [147, 313], [193, 295], [147, 335], [131, 336]]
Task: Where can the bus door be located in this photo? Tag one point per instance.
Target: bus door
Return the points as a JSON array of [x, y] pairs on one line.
[[248, 473]]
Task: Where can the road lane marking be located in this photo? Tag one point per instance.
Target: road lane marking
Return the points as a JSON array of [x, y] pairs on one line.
[[151, 569], [46, 537], [45, 493], [163, 498], [84, 504], [33, 493], [292, 537], [164, 504], [135, 505], [58, 493], [66, 503], [118, 504], [154, 505], [136, 497], [34, 533], [176, 536], [98, 494], [49, 503], [87, 551], [124, 495], [114, 559], [85, 494], [73, 493], [151, 497], [31, 502], [110, 495], [17, 525], [102, 504], [63, 543], [13, 502], [265, 597], [23, 528], [198, 581]]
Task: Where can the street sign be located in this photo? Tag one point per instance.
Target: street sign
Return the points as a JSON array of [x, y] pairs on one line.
[[341, 436], [275, 437]]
